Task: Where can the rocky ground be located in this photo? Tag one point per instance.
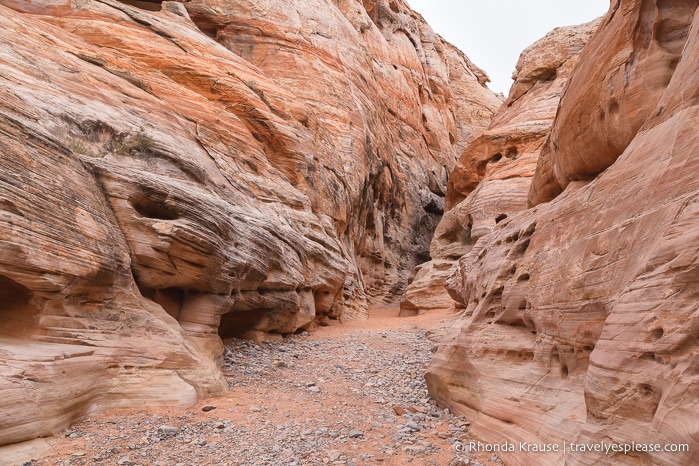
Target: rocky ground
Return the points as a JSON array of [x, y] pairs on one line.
[[341, 395]]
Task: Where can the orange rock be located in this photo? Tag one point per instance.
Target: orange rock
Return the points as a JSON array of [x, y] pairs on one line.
[[491, 180], [617, 84], [177, 172], [399, 410], [580, 314]]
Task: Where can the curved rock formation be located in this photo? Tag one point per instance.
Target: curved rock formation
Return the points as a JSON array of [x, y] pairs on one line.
[[492, 178], [175, 172], [580, 321]]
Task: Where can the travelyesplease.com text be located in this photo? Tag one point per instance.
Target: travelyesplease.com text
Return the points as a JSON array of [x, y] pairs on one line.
[[566, 447]]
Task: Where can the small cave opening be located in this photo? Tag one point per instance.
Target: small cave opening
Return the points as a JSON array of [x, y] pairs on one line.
[[422, 256], [170, 299], [547, 74], [17, 314], [511, 152], [434, 207], [147, 5], [500, 218], [235, 324], [152, 207], [496, 157]]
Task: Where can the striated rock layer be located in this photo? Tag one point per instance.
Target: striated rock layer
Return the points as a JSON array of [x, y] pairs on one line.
[[175, 172], [492, 178], [581, 321]]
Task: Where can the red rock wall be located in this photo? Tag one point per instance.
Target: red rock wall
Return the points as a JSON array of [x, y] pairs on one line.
[[492, 178], [175, 171], [580, 313]]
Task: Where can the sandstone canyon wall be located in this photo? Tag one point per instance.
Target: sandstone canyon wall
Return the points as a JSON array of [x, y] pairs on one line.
[[492, 178], [581, 321], [167, 166]]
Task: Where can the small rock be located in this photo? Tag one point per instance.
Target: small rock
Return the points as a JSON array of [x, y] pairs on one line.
[[124, 461], [201, 442], [356, 434], [398, 410], [208, 408], [417, 409], [412, 426], [415, 449], [313, 389], [168, 430]]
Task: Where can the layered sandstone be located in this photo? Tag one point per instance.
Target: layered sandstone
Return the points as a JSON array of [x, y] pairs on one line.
[[492, 178], [176, 172], [580, 320]]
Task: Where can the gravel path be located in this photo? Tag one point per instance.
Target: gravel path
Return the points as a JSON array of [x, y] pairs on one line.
[[354, 396]]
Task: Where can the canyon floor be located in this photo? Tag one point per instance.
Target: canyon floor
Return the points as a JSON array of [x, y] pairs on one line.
[[343, 394]]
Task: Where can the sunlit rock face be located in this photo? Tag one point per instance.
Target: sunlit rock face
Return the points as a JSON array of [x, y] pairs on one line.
[[580, 319], [492, 178], [176, 172]]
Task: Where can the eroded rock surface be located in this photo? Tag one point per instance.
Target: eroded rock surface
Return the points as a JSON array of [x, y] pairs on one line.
[[168, 167], [580, 320], [492, 178]]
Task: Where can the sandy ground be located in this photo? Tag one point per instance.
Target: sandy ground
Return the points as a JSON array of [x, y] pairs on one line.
[[278, 395]]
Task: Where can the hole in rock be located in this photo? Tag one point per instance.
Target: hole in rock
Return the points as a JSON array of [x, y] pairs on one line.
[[452, 139], [613, 107], [646, 390], [422, 256], [500, 218], [169, 299], [152, 208], [521, 248], [564, 371], [434, 207], [511, 152], [144, 5], [18, 317], [496, 158], [523, 278], [236, 323], [548, 74], [657, 334]]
